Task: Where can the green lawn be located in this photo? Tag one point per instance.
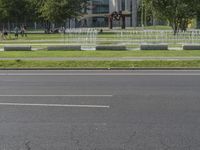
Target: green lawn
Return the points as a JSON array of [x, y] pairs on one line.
[[97, 64], [37, 54], [108, 37], [130, 37]]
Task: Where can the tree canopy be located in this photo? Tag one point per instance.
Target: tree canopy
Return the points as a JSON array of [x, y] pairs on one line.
[[177, 12], [15, 10], [49, 10], [59, 10]]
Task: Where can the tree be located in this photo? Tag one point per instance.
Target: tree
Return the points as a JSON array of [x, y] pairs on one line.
[[60, 10], [198, 16], [32, 8], [146, 12], [51, 10], [177, 12], [13, 10]]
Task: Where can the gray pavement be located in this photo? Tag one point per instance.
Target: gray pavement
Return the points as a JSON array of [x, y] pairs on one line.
[[105, 59], [100, 110]]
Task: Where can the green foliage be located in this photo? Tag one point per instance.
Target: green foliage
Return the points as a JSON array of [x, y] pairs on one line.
[[179, 13], [49, 10], [15, 10]]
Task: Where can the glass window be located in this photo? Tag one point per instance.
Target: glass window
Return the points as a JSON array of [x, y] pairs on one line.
[[100, 6], [123, 5]]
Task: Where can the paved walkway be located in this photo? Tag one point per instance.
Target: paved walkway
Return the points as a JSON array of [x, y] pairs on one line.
[[105, 59]]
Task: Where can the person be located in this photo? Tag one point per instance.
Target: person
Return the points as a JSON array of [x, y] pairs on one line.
[[2, 37], [5, 34], [22, 31], [16, 32], [101, 31], [25, 28], [62, 29]]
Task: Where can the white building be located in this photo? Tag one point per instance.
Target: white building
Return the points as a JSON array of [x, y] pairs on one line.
[[128, 6], [99, 10]]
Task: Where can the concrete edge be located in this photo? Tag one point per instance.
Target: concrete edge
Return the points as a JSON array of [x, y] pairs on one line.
[[153, 68]]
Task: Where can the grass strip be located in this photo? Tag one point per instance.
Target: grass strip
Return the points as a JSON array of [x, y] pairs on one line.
[[97, 64], [44, 53]]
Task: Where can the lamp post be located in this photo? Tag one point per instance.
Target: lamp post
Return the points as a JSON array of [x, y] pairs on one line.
[[142, 13]]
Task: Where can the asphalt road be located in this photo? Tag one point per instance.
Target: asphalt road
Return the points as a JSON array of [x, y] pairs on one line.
[[100, 110]]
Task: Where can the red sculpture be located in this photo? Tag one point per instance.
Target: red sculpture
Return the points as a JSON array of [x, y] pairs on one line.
[[117, 16]]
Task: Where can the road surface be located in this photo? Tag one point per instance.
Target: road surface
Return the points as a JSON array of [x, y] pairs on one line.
[[100, 110]]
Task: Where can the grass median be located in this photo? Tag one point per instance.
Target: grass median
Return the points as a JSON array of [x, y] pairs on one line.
[[98, 64], [44, 53]]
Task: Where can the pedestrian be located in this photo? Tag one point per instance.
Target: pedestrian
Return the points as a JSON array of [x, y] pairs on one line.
[[2, 37], [5, 34], [16, 32], [22, 31], [62, 29], [25, 29]]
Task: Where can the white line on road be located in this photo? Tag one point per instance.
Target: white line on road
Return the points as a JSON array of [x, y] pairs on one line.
[[54, 105], [56, 95]]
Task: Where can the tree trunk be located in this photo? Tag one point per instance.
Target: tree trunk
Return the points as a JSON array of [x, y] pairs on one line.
[[198, 20], [110, 22], [123, 22], [174, 27]]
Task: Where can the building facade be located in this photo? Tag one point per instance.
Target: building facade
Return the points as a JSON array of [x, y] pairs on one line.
[[96, 15]]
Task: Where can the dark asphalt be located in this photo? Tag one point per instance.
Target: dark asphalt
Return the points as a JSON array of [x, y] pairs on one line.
[[145, 110]]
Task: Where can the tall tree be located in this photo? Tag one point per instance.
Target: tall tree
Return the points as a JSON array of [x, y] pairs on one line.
[[177, 12], [13, 10], [32, 8], [60, 10]]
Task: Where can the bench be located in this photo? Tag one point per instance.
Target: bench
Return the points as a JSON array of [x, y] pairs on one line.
[[64, 48], [191, 47], [112, 48], [17, 48], [153, 47]]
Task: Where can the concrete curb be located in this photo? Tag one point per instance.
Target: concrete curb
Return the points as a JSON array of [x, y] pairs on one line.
[[105, 59], [99, 69]]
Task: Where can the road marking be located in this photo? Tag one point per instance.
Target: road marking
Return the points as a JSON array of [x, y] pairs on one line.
[[56, 95], [54, 105]]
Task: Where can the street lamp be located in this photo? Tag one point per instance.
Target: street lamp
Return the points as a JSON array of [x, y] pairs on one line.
[[142, 13]]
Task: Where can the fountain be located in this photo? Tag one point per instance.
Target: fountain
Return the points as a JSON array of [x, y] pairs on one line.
[[158, 38], [85, 37]]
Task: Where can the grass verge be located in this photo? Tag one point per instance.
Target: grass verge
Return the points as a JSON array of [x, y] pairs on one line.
[[39, 54], [98, 64]]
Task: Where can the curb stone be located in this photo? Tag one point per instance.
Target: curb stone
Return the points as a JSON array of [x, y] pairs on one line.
[[99, 68]]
